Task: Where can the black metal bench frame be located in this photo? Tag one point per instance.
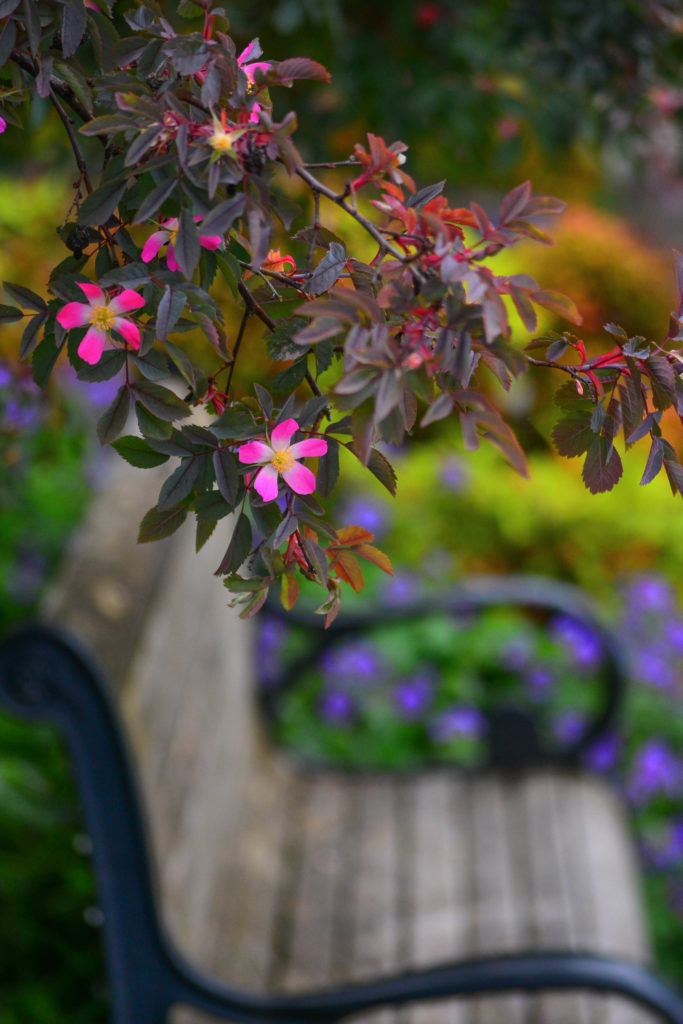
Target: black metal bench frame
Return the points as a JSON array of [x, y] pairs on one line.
[[45, 676]]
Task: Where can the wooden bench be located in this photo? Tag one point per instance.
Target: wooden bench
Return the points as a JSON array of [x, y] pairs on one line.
[[279, 879]]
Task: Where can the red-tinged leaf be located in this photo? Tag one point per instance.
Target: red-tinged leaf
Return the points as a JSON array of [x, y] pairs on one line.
[[238, 548], [558, 303], [349, 535], [654, 461], [330, 607], [255, 604], [381, 468], [544, 205], [515, 202], [289, 590], [496, 324], [529, 230], [316, 556], [372, 554], [632, 406], [363, 430], [328, 270], [347, 568], [602, 468], [322, 327], [573, 434], [157, 524], [674, 472], [481, 216], [526, 311], [301, 67], [497, 431]]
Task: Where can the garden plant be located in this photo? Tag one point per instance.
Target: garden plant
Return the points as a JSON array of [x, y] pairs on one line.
[[185, 176]]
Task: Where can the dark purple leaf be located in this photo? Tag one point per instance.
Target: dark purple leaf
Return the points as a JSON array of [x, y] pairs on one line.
[[169, 312], [515, 202], [160, 401], [300, 67], [98, 207], [438, 410], [328, 270], [654, 461], [8, 38], [573, 435], [223, 216], [238, 548], [179, 484], [425, 195], [114, 419], [187, 248], [602, 468], [662, 380], [227, 477], [153, 201], [74, 22], [157, 524]]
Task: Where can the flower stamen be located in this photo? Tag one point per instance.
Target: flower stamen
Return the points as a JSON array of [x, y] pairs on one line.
[[282, 460], [102, 317]]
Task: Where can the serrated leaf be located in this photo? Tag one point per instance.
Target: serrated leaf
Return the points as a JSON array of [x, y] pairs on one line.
[[674, 472], [187, 248], [170, 310], [108, 365], [602, 468], [137, 452], [328, 270], [114, 419], [347, 569], [227, 477], [31, 333], [132, 275], [438, 410], [153, 201], [558, 303], [632, 406], [179, 484], [573, 435], [10, 314], [317, 558], [616, 331], [515, 202], [97, 208], [280, 343], [654, 461], [300, 67], [158, 523], [141, 145], [238, 548], [426, 194], [151, 427], [372, 554], [25, 297], [381, 468], [161, 402], [662, 381], [74, 21], [223, 216], [328, 469], [289, 590], [210, 506]]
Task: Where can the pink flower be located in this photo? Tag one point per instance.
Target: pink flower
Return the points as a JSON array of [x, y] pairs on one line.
[[249, 67], [169, 233], [3, 125], [280, 457], [104, 316]]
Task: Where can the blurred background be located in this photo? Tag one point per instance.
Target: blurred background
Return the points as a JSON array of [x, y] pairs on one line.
[[587, 102]]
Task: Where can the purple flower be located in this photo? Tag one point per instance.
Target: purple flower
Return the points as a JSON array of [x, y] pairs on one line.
[[371, 515], [667, 851], [272, 634], [539, 681], [674, 635], [651, 594], [651, 667], [656, 770], [5, 376], [402, 588], [581, 642], [454, 474], [21, 417], [516, 654], [413, 696], [569, 726], [336, 707], [352, 662], [602, 755], [458, 720]]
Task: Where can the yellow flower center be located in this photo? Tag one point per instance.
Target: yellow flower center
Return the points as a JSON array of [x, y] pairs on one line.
[[282, 460], [174, 235], [220, 142], [102, 317]]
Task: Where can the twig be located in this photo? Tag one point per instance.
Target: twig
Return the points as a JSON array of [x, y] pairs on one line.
[[351, 162], [73, 139], [235, 351], [23, 61]]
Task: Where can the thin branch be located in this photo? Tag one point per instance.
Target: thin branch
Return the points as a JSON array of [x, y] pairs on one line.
[[235, 351], [314, 236], [73, 139], [351, 162], [340, 200], [63, 90]]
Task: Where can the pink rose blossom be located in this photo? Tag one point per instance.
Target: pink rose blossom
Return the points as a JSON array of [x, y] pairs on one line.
[[279, 458], [3, 125], [104, 316], [168, 233], [249, 67]]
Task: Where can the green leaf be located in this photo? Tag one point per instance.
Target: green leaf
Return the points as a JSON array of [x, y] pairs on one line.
[[280, 343], [210, 506], [45, 356], [131, 275], [150, 426], [238, 548], [137, 452], [290, 378], [114, 419], [328, 471], [108, 365], [141, 145], [152, 366], [158, 523], [227, 477], [25, 297], [187, 248], [98, 207], [602, 468], [161, 402], [31, 333], [179, 484]]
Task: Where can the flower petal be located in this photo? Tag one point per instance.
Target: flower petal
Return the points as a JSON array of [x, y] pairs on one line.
[[281, 434], [248, 50], [93, 292], [171, 261], [153, 244], [127, 301], [300, 479], [266, 483], [74, 314], [210, 241], [92, 346], [312, 447], [128, 330], [255, 451]]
